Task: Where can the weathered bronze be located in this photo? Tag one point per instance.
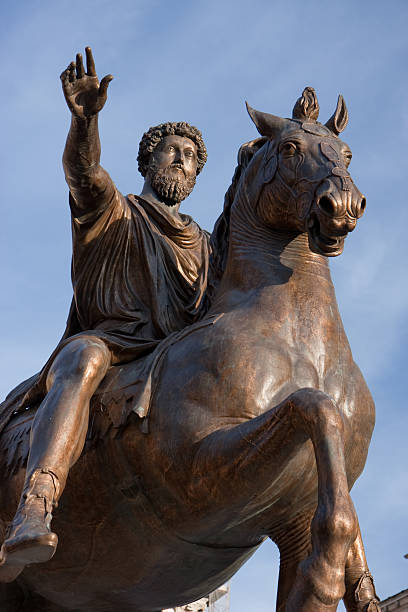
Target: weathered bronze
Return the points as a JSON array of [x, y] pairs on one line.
[[252, 422], [139, 272]]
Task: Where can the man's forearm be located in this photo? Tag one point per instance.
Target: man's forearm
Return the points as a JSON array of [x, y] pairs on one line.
[[83, 147], [87, 180]]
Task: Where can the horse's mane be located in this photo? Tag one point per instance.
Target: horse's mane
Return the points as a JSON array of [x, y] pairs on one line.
[[219, 240]]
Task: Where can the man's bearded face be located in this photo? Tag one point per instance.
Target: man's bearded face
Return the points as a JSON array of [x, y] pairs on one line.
[[172, 169]]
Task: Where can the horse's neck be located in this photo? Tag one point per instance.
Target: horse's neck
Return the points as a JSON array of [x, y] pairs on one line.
[[275, 272]]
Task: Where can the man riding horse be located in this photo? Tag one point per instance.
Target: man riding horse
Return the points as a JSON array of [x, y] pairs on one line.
[[139, 273]]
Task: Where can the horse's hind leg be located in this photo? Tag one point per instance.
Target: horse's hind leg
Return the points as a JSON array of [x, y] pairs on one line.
[[360, 593], [294, 543], [320, 579]]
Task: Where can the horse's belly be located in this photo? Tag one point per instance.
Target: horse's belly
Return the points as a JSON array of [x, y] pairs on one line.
[[131, 570]]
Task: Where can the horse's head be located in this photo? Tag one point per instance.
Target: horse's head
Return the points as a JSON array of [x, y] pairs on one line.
[[297, 173]]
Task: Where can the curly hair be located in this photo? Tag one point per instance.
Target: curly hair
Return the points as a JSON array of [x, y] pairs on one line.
[[155, 135]]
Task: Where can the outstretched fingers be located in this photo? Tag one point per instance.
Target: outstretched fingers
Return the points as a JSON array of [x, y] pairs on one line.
[[80, 71], [64, 76], [104, 84], [90, 64], [84, 95], [67, 76], [71, 72]]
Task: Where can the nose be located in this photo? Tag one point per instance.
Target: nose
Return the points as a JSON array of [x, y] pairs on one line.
[[328, 205], [337, 202], [179, 156], [358, 206]]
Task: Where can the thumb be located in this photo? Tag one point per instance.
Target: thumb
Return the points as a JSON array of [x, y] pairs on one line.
[[104, 84]]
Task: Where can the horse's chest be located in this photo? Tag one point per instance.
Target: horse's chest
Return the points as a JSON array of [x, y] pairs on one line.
[[261, 369]]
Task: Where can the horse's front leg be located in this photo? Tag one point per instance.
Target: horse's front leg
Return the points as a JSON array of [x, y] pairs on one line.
[[320, 580], [360, 595], [245, 458], [294, 543]]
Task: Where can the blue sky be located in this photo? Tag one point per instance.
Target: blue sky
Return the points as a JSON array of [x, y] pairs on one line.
[[198, 62]]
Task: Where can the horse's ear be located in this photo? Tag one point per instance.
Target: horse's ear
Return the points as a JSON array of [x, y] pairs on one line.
[[307, 106], [266, 124], [248, 150], [339, 119]]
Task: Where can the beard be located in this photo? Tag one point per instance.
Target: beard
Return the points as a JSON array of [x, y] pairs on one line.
[[172, 187]]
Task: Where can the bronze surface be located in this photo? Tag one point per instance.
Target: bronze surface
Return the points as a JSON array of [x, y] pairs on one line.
[[258, 419]]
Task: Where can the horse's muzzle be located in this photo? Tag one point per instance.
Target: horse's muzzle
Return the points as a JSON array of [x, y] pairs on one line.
[[333, 215]]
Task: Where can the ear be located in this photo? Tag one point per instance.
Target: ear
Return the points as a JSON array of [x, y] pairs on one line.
[[267, 125], [269, 157], [339, 119], [248, 150]]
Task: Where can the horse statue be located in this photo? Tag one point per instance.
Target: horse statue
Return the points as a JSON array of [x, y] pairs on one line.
[[257, 424]]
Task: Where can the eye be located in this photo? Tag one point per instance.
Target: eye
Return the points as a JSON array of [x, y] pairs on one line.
[[347, 158], [189, 153], [288, 149], [170, 149]]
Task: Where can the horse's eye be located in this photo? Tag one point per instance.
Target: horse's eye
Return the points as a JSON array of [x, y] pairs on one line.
[[347, 158], [288, 149]]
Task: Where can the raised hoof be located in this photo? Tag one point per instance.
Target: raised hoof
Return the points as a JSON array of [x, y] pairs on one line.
[[372, 605], [363, 597], [25, 551]]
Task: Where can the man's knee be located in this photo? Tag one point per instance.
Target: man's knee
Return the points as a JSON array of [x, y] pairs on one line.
[[82, 359]]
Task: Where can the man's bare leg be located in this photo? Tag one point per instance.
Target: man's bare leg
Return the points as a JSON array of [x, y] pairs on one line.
[[57, 439]]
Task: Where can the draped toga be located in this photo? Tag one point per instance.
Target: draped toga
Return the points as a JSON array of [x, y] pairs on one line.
[[139, 274]]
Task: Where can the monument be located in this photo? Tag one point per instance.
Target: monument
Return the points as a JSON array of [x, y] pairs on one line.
[[204, 396]]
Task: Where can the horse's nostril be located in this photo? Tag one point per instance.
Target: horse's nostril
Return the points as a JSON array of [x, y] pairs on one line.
[[363, 205], [327, 205]]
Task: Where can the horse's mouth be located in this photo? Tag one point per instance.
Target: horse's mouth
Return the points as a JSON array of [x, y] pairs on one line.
[[320, 242]]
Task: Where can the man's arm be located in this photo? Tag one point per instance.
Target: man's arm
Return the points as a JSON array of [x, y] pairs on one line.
[[90, 185]]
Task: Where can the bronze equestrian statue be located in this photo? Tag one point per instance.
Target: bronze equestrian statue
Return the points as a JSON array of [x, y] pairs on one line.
[[253, 422], [139, 273]]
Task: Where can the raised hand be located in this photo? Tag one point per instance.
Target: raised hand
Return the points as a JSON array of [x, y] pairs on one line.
[[84, 94]]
